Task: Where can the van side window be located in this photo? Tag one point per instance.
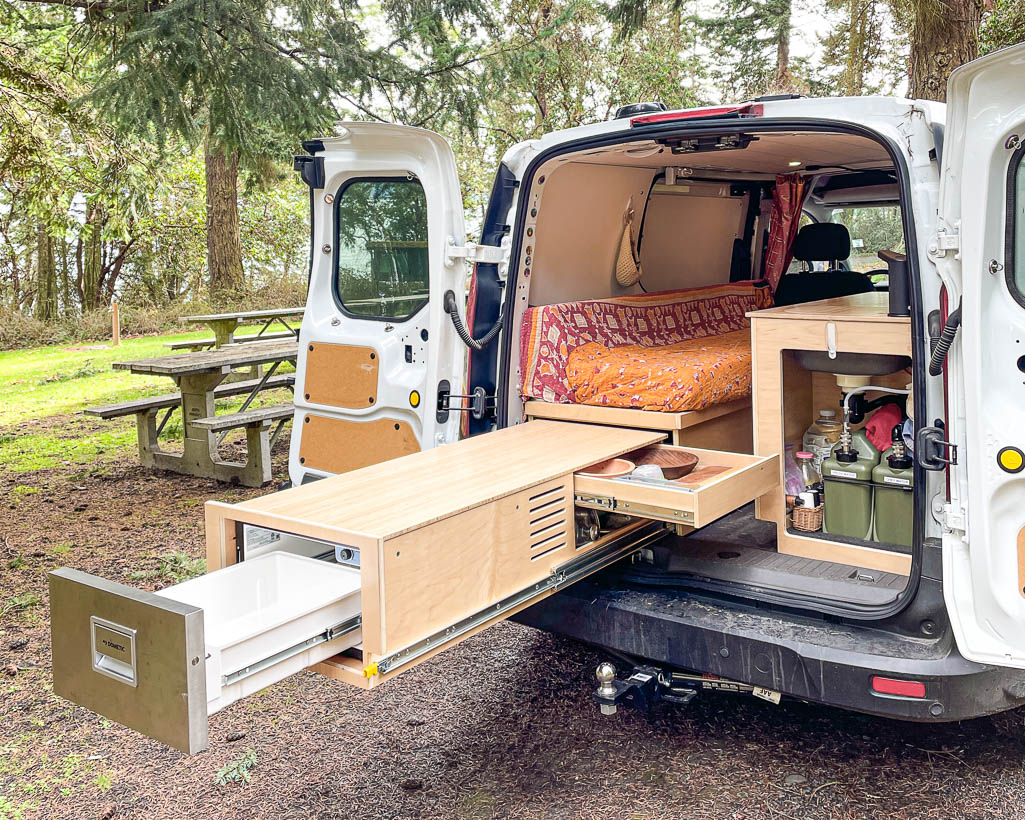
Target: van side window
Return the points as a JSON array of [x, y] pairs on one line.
[[1016, 227], [382, 267]]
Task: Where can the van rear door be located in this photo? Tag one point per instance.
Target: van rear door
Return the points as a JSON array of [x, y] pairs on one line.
[[980, 252], [376, 343]]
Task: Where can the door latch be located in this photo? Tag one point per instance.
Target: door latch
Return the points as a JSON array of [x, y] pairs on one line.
[[932, 451], [481, 404]]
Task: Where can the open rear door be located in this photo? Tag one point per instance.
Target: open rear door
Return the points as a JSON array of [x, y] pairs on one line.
[[376, 343], [981, 255]]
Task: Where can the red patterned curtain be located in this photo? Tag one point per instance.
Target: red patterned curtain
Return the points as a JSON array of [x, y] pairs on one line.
[[787, 199]]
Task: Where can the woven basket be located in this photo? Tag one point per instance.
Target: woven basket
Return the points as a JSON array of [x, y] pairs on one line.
[[808, 519]]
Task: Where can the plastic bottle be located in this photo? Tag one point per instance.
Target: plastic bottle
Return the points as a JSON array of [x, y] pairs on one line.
[[821, 437], [894, 496], [806, 465], [847, 479], [792, 480]]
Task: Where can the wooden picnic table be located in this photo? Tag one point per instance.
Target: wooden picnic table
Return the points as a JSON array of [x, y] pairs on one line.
[[224, 325], [197, 375]]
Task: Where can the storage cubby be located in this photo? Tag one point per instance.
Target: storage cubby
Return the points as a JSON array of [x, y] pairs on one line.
[[788, 394]]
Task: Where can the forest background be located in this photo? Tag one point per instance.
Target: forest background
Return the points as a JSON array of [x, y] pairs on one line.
[[145, 145]]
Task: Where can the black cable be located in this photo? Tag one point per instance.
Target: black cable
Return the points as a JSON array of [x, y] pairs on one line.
[[452, 309], [939, 353]]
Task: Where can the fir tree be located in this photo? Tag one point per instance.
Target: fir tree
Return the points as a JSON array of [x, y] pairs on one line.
[[250, 78]]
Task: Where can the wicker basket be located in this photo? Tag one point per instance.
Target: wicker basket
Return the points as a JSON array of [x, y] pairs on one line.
[[808, 519]]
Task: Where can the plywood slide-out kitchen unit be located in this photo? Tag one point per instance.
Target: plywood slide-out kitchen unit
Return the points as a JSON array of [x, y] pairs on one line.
[[437, 545]]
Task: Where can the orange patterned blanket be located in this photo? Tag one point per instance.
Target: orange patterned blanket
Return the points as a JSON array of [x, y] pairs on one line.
[[688, 375]]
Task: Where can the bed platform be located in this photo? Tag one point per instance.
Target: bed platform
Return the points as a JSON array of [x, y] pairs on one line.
[[721, 427]]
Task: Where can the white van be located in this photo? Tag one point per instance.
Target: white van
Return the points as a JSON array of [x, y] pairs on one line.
[[603, 442]]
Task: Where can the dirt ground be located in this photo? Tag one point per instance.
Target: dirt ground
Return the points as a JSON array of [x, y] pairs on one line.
[[501, 726]]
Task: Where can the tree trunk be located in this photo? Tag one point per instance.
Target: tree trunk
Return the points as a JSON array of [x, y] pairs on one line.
[[944, 35], [92, 261], [46, 276], [223, 240], [783, 80]]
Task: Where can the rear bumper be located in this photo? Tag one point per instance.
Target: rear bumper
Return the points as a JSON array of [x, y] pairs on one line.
[[802, 657]]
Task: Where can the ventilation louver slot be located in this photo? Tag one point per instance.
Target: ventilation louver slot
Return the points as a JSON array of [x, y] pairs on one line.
[[548, 515]]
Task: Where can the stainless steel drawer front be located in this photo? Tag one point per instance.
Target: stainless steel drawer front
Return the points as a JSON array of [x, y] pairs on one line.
[[133, 656]]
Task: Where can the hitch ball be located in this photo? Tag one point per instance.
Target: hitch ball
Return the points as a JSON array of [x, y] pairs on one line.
[[606, 674]]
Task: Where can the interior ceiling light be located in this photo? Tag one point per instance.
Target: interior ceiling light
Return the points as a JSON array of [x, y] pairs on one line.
[[794, 163]]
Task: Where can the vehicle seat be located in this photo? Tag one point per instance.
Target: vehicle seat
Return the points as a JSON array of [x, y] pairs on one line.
[[821, 242]]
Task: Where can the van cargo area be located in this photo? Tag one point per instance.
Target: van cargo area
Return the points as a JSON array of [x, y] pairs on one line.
[[705, 425]]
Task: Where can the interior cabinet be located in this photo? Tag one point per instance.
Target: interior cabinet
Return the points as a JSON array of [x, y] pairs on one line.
[[786, 396]]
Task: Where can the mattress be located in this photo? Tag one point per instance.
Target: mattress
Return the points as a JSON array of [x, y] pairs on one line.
[[550, 333], [689, 375]]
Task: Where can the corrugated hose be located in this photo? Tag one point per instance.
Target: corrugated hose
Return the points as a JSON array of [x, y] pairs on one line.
[[452, 309]]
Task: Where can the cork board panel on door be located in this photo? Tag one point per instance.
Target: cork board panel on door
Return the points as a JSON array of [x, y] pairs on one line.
[[340, 445], [341, 375]]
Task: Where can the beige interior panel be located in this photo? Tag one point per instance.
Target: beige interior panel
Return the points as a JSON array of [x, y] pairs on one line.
[[689, 238], [578, 229], [341, 375], [339, 445]]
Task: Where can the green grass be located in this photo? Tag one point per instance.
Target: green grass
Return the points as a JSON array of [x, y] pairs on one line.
[[63, 379], [48, 381]]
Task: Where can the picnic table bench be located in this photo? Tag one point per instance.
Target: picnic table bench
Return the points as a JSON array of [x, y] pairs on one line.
[[199, 376], [224, 326]]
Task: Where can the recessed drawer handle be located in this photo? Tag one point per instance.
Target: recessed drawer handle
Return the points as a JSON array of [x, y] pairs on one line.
[[113, 650]]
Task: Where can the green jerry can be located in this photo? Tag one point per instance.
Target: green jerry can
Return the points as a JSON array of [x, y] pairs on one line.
[[847, 480], [894, 485]]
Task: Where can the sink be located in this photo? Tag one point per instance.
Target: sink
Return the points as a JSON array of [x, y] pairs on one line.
[[852, 364]]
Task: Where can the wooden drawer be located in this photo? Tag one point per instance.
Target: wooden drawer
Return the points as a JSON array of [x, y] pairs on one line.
[[408, 557], [720, 483]]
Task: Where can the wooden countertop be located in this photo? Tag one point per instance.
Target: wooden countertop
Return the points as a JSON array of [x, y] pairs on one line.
[[861, 307], [399, 495]]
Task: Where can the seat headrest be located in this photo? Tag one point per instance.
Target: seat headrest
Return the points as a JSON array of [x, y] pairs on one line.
[[822, 242]]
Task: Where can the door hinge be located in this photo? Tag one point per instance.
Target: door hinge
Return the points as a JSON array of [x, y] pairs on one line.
[[473, 253], [945, 241], [932, 451], [954, 518]]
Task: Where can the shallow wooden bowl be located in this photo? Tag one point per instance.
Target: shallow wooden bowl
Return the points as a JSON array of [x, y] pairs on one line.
[[613, 468], [674, 463]]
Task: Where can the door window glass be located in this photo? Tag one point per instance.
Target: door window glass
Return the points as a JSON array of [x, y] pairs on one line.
[[1016, 239], [382, 268], [872, 230]]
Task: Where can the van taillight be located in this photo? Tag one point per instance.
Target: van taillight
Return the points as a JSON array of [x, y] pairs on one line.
[[902, 688], [708, 112]]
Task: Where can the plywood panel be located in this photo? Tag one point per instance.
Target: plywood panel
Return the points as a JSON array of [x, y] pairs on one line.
[[731, 432], [341, 375], [631, 417], [859, 307], [396, 496], [439, 574], [340, 445]]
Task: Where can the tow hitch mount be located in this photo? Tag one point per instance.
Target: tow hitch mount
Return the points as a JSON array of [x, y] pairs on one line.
[[646, 685]]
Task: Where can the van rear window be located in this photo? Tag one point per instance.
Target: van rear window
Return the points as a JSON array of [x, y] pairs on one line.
[[1016, 226], [382, 267]]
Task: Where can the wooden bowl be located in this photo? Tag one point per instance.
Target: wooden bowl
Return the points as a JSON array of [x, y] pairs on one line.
[[674, 463], [613, 468]]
